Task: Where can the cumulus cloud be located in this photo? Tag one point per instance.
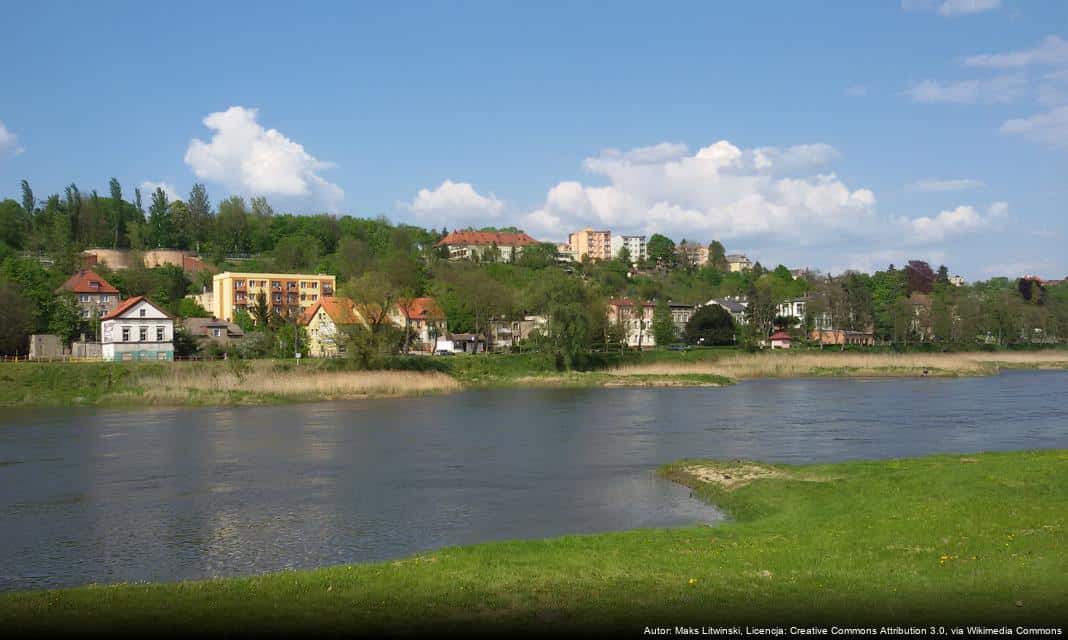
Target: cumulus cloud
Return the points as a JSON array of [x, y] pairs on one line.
[[944, 185], [989, 90], [1048, 128], [148, 188], [1053, 50], [250, 159], [9, 143], [455, 203], [951, 8], [952, 222], [720, 191]]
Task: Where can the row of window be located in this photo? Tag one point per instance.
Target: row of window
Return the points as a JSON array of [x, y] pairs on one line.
[[275, 284], [87, 297], [161, 333]]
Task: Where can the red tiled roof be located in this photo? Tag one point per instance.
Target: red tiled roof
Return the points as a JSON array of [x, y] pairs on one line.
[[82, 282], [499, 238], [340, 310], [128, 304], [421, 309], [780, 335]]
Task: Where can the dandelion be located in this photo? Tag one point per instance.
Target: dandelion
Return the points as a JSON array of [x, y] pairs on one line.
[[693, 580]]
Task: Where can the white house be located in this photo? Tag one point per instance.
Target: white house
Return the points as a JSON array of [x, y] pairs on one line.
[[636, 247], [137, 330], [792, 308]]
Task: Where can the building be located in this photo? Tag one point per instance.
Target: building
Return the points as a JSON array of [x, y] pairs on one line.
[[425, 319], [209, 331], [137, 330], [792, 308], [288, 294], [565, 254], [474, 245], [956, 281], [460, 343], [780, 340], [636, 320], [326, 320], [736, 262], [95, 295], [635, 246], [589, 242], [695, 255], [733, 305], [680, 315], [842, 337]]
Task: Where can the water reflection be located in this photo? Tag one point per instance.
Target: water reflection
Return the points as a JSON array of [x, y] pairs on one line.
[[176, 494]]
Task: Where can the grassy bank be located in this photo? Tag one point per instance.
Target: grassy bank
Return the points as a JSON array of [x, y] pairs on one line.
[[203, 383], [959, 539]]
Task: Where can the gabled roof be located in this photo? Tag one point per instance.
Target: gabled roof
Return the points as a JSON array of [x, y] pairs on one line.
[[340, 310], [781, 335], [87, 281], [732, 306], [499, 238], [130, 303], [421, 309]]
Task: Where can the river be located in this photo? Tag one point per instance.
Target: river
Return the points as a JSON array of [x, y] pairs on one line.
[[172, 494]]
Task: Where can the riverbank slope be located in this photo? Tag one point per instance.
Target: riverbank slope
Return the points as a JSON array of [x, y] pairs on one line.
[[943, 540]]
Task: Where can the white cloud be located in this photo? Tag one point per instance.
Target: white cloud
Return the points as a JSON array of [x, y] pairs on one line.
[[148, 188], [989, 90], [857, 91], [9, 143], [721, 191], [966, 7], [1023, 267], [952, 222], [455, 203], [252, 160], [1051, 51], [1048, 128], [944, 185]]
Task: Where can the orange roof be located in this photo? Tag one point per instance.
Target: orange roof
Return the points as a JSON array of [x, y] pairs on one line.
[[129, 303], [340, 310], [499, 238], [780, 335], [421, 309], [86, 281]]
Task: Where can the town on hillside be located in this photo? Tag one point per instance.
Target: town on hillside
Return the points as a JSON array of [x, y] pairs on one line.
[[100, 278]]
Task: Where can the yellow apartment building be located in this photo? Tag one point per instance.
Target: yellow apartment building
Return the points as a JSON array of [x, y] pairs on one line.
[[592, 243], [288, 294]]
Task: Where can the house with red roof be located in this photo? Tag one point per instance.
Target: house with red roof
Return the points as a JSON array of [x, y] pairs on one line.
[[95, 295], [423, 317], [780, 340], [327, 321], [137, 329], [499, 246]]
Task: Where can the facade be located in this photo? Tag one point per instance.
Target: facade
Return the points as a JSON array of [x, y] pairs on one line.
[[636, 320], [694, 254], [288, 294], [589, 242], [565, 254], [956, 281], [793, 308], [736, 262], [680, 315], [211, 331], [842, 337], [424, 317], [780, 340], [137, 330], [473, 245], [513, 333], [325, 321], [95, 296], [734, 306], [635, 245]]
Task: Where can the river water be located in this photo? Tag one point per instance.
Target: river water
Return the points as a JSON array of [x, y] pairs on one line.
[[171, 494]]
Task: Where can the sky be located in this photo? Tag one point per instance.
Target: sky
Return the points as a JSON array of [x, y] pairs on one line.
[[829, 135]]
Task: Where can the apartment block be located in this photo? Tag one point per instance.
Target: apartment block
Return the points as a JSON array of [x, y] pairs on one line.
[[589, 242], [288, 294], [635, 245]]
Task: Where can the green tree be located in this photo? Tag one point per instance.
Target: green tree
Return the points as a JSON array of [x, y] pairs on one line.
[[199, 206], [663, 326], [160, 225], [16, 320], [661, 251], [261, 311], [717, 256], [710, 325], [118, 215], [14, 224], [29, 203], [66, 318]]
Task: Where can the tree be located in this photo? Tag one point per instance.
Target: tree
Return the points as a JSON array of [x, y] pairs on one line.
[[760, 312], [16, 320], [161, 232], [29, 203], [119, 217], [663, 326], [661, 251], [717, 256], [199, 213], [918, 277], [567, 305], [943, 275], [66, 319], [261, 312], [710, 325]]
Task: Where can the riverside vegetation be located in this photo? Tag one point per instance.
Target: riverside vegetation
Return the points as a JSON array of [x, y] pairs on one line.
[[265, 381], [942, 540]]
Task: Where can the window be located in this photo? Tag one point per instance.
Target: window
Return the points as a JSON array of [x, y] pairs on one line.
[[126, 334], [278, 297], [142, 333], [314, 285], [162, 355], [303, 285], [160, 331], [216, 332], [142, 313], [83, 297]]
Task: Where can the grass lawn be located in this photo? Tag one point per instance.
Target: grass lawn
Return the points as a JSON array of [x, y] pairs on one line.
[[945, 540]]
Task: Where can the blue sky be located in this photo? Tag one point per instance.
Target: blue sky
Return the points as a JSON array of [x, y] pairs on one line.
[[832, 135]]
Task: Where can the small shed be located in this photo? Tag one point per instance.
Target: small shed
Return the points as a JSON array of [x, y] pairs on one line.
[[780, 340]]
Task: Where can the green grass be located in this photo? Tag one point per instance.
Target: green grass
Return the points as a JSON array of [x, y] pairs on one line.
[[944, 540]]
